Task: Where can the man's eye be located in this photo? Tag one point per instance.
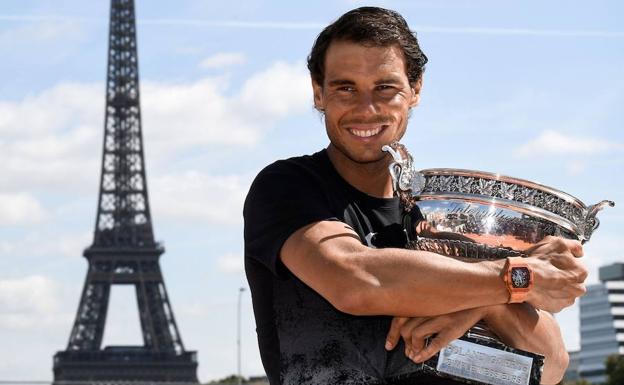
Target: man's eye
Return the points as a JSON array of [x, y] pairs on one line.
[[386, 91], [346, 89]]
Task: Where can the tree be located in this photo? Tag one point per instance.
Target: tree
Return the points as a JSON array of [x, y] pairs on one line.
[[615, 369], [577, 382], [232, 379]]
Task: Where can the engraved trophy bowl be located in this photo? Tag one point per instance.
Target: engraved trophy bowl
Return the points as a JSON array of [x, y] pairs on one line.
[[481, 215]]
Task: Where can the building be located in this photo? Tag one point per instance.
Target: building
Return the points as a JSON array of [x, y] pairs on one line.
[[602, 323], [572, 373]]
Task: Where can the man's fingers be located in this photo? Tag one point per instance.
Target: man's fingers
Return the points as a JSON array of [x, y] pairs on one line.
[[441, 331], [435, 345], [395, 332], [418, 332], [557, 244], [409, 328], [418, 343], [575, 247]]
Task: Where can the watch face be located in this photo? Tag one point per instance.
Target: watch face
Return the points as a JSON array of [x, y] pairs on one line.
[[520, 277]]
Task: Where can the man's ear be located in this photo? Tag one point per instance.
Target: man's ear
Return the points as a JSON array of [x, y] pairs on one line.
[[415, 97], [317, 90]]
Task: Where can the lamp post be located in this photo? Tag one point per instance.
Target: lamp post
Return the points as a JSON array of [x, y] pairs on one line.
[[238, 333]]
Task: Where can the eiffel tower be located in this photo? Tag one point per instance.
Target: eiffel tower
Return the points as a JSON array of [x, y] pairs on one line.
[[124, 251]]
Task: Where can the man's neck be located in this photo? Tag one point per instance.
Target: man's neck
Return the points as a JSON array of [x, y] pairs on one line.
[[371, 178]]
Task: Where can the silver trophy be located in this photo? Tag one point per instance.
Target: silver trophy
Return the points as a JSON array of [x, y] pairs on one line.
[[481, 215]]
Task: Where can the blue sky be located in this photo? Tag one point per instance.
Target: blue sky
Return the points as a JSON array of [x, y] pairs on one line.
[[530, 89]]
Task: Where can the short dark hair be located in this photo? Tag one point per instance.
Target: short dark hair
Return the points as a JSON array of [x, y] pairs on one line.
[[370, 26]]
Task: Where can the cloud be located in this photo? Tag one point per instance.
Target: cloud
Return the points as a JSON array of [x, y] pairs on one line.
[[29, 302], [196, 196], [231, 263], [52, 139], [280, 90], [6, 247], [554, 143], [20, 209], [57, 109], [223, 59], [64, 245], [183, 117]]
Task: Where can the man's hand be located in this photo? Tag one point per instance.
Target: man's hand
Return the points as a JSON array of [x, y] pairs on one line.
[[517, 325], [440, 329], [558, 273]]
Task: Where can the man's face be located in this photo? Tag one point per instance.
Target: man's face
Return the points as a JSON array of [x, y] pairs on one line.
[[366, 98]]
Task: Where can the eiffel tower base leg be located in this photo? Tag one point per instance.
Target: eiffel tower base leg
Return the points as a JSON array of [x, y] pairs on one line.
[[116, 364]]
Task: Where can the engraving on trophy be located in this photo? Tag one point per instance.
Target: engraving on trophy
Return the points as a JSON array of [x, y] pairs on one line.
[[482, 363]]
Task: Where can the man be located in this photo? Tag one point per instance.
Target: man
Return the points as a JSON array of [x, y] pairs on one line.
[[324, 241]]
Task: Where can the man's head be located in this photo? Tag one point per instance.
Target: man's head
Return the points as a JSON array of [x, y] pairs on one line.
[[366, 71], [369, 26]]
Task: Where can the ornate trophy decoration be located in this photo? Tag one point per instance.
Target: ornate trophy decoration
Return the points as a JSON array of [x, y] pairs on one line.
[[481, 215]]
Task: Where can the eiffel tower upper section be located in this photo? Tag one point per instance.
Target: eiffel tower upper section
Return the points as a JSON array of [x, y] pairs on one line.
[[123, 218]]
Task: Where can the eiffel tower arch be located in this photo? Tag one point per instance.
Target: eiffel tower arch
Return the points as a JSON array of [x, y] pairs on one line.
[[124, 251]]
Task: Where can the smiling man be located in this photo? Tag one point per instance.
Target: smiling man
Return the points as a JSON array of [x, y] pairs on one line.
[[324, 237]]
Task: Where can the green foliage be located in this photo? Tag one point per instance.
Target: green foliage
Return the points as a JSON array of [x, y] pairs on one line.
[[232, 379], [577, 382], [615, 370]]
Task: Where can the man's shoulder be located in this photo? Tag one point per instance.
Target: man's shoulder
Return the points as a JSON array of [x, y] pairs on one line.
[[298, 169], [312, 162]]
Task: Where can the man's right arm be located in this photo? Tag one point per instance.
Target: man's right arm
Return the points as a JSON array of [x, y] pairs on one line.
[[329, 257]]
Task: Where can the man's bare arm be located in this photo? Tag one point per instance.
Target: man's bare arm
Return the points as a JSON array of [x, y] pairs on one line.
[[526, 328], [330, 258]]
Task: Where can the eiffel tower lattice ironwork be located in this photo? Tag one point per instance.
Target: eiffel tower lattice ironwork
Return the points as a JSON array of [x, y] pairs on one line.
[[124, 251]]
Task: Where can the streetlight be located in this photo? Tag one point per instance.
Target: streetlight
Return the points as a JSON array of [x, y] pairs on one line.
[[238, 333]]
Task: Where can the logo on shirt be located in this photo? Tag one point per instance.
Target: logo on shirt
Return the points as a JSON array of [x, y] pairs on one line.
[[390, 236], [370, 238]]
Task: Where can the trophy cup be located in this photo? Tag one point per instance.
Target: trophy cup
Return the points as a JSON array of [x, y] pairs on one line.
[[480, 215]]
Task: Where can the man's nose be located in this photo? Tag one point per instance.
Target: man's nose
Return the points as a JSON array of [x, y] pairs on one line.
[[366, 104]]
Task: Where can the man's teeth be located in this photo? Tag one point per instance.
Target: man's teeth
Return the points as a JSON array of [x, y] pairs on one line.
[[365, 134]]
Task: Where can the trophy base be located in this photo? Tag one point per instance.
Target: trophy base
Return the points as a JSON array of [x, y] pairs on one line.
[[474, 360], [423, 378]]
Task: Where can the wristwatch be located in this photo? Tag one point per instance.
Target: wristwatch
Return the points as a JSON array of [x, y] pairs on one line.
[[518, 278]]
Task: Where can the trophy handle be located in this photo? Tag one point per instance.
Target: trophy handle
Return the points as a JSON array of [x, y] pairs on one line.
[[396, 155], [398, 167], [404, 176], [591, 222]]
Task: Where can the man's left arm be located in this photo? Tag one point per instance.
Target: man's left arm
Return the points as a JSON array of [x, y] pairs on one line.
[[517, 325]]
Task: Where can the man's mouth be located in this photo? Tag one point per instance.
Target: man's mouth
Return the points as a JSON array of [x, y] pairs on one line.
[[367, 133]]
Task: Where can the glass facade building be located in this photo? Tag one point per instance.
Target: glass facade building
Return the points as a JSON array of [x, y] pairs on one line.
[[602, 323], [572, 373]]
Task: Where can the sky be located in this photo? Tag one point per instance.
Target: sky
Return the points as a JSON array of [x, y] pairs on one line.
[[530, 89]]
